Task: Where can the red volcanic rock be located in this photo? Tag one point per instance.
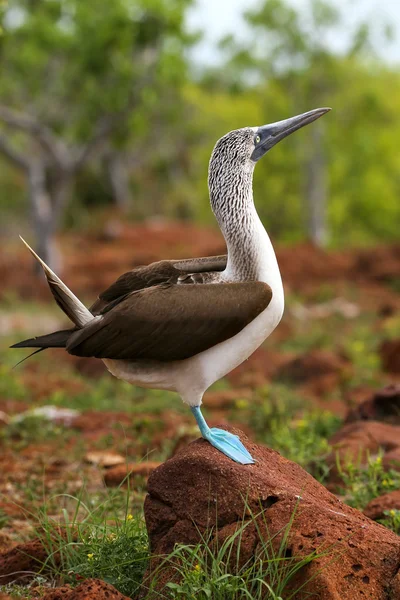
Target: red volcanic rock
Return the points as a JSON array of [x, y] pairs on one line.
[[380, 263], [376, 508], [356, 441], [260, 367], [91, 589], [119, 474], [225, 399], [391, 459], [311, 365], [383, 405], [200, 490], [23, 561], [390, 356]]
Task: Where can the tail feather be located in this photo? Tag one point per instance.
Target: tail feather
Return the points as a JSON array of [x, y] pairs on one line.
[[66, 300], [29, 355], [58, 339]]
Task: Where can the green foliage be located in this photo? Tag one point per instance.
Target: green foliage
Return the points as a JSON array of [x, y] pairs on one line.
[[112, 394], [118, 554], [211, 568], [31, 429], [271, 414], [3, 519], [123, 54], [95, 536], [10, 385], [93, 46], [21, 591], [361, 484], [391, 520]]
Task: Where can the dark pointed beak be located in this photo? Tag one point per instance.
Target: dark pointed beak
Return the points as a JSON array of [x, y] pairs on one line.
[[269, 135]]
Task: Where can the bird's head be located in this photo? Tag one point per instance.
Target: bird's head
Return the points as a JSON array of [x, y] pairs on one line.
[[236, 153]]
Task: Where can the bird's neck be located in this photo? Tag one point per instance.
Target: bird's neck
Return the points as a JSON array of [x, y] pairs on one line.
[[250, 253]]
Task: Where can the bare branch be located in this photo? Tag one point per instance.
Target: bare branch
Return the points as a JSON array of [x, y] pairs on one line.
[[12, 154], [49, 142], [105, 127]]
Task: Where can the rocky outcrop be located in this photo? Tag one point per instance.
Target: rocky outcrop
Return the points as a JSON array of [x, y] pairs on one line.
[[371, 427], [390, 356], [383, 405], [91, 589], [311, 365], [24, 560], [354, 442], [378, 506], [200, 492], [123, 473]]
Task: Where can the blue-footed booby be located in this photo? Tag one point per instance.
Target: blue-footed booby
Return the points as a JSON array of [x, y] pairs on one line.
[[183, 324]]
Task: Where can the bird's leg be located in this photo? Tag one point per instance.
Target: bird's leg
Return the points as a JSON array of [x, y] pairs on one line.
[[228, 443]]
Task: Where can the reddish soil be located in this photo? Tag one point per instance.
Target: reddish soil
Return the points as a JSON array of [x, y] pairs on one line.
[[92, 262], [383, 405], [390, 356], [355, 442], [377, 507]]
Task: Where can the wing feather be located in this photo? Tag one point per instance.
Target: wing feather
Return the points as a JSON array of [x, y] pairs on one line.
[[171, 322], [165, 271]]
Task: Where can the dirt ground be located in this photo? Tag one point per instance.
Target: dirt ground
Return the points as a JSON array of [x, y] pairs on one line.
[[343, 307]]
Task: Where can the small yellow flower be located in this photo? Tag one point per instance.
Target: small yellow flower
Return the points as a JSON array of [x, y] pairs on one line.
[[90, 556], [358, 346], [129, 517], [392, 513], [378, 460], [385, 483], [197, 568], [241, 403]]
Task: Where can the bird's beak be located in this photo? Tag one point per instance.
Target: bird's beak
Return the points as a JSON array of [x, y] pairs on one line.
[[269, 135]]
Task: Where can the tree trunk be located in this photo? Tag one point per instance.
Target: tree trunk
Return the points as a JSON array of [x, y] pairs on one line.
[[119, 180], [316, 188], [43, 217]]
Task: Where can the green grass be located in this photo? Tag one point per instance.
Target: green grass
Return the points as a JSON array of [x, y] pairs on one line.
[[97, 536], [93, 530], [363, 483], [31, 429], [92, 535], [275, 416], [391, 520], [215, 570]]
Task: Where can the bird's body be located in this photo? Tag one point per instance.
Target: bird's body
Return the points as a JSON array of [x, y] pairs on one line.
[[182, 325], [192, 376]]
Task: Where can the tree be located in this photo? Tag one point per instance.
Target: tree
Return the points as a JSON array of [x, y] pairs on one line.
[[295, 51], [76, 79]]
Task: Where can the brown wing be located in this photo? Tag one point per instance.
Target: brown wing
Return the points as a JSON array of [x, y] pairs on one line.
[[165, 271], [171, 322]]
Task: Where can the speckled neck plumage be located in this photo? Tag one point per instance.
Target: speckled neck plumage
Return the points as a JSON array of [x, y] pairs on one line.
[[231, 197]]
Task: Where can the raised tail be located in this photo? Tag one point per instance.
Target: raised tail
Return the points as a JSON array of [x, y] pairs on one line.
[[69, 304], [66, 300]]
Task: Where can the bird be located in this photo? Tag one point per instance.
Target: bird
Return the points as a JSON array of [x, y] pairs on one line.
[[181, 325]]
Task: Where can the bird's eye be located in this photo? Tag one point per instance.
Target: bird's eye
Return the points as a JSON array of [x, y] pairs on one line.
[[257, 139]]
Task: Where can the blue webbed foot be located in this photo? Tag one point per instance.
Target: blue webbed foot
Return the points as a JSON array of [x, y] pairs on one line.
[[230, 445]]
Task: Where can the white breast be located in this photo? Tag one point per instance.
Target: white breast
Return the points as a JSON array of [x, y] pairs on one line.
[[205, 368]]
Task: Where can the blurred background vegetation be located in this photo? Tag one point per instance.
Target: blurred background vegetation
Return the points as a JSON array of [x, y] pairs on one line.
[[105, 110]]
